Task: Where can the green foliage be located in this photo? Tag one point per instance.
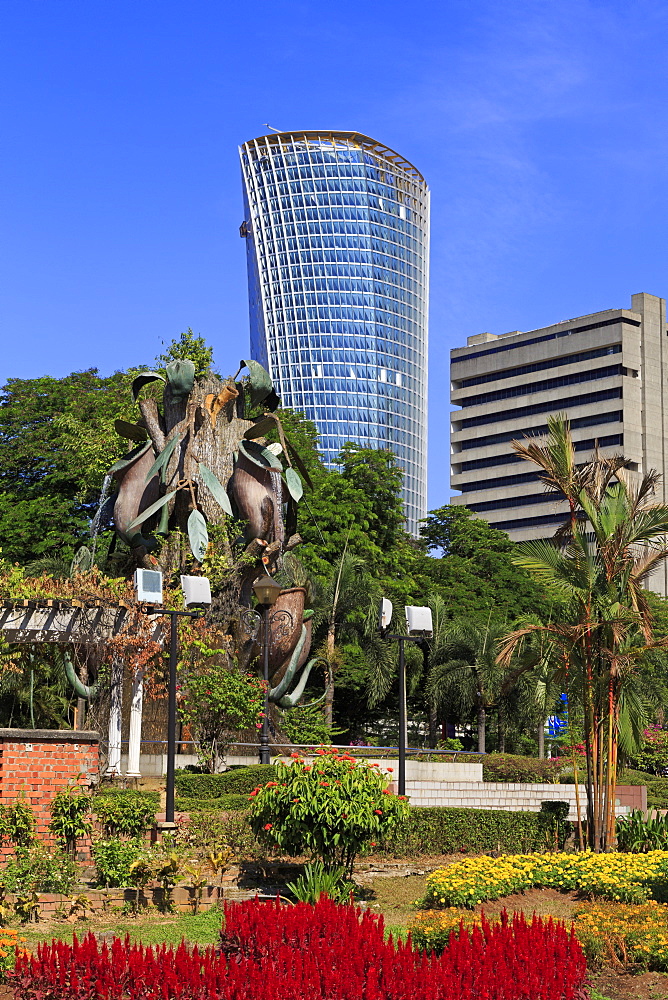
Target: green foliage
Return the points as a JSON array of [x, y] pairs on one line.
[[17, 823], [189, 347], [639, 833], [113, 860], [38, 869], [69, 816], [218, 700], [330, 809], [306, 725], [209, 831], [317, 879], [514, 767], [57, 440], [125, 812], [475, 572], [238, 781], [442, 830], [652, 756], [224, 803]]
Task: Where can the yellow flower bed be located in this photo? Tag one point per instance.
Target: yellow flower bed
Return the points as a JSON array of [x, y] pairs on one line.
[[629, 878], [613, 933]]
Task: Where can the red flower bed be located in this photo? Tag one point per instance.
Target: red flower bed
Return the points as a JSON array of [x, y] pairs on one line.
[[321, 952]]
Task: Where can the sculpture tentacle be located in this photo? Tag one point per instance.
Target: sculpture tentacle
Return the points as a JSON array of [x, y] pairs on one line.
[[89, 692], [277, 692], [290, 700]]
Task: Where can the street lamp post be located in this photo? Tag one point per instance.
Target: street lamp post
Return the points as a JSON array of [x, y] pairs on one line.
[[171, 704], [419, 625], [267, 592]]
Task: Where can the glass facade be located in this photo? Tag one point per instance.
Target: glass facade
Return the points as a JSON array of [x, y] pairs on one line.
[[337, 232]]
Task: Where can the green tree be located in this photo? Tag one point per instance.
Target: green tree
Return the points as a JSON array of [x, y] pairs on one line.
[[57, 439], [475, 573], [188, 347]]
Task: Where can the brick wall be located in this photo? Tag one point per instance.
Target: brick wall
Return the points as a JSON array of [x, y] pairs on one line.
[[37, 763]]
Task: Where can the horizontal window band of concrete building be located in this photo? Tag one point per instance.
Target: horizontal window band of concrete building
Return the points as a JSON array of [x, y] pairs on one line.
[[551, 383], [519, 524], [607, 441], [539, 366], [544, 338], [487, 439], [551, 406], [496, 484], [523, 501]]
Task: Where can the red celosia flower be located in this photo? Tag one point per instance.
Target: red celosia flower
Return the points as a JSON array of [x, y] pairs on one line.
[[271, 784], [386, 791], [267, 826], [390, 770], [378, 812]]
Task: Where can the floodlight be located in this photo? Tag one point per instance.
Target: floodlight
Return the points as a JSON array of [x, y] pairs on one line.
[[148, 586], [196, 591], [418, 621], [385, 613]]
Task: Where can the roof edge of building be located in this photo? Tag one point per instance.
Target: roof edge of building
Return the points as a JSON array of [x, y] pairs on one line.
[[360, 138]]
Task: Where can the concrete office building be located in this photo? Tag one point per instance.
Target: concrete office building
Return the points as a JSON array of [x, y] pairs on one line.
[[608, 372], [337, 238]]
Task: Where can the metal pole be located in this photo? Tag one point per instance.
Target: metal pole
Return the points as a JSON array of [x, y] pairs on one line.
[[171, 717], [264, 738], [402, 718]]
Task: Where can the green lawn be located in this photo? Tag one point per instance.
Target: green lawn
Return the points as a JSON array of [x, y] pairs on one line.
[[152, 928]]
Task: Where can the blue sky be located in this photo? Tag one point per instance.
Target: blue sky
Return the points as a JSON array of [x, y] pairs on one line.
[[540, 127]]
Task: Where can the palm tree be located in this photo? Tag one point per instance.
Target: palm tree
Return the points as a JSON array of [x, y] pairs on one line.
[[598, 564], [464, 674]]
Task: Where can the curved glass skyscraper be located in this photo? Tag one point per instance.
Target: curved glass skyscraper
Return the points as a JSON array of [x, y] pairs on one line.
[[337, 229]]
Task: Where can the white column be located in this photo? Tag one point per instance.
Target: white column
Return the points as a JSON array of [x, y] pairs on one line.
[[115, 715], [134, 743]]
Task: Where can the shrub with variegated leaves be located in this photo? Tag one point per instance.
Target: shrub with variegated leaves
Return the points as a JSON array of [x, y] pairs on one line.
[[331, 807]]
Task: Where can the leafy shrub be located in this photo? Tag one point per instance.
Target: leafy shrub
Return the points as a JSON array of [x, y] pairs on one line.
[[223, 804], [657, 793], [69, 816], [641, 834], [218, 699], [316, 880], [210, 830], [17, 823], [511, 767], [126, 812], [113, 860], [653, 755], [330, 809], [306, 725], [630, 878], [445, 830], [621, 934], [313, 952], [37, 869]]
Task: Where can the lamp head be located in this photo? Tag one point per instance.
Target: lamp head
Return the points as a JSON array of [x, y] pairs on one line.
[[266, 590]]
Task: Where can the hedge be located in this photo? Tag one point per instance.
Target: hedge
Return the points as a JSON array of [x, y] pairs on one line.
[[239, 781], [430, 830], [445, 830], [224, 803]]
